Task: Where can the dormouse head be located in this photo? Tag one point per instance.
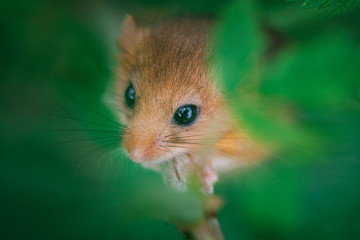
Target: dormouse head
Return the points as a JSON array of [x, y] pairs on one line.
[[165, 91]]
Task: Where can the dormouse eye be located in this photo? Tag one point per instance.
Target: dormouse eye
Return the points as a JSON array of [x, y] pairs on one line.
[[186, 115], [130, 96]]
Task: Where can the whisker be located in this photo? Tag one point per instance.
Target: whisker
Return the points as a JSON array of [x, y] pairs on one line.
[[204, 142], [78, 130], [171, 135], [205, 139], [184, 147], [81, 120], [89, 139], [93, 110], [186, 143], [266, 170], [109, 156], [168, 151], [195, 135], [93, 151]]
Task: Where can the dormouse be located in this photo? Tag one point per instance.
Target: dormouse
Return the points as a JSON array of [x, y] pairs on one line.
[[175, 115]]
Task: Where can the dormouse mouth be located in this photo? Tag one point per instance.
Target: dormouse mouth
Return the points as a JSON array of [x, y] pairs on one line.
[[151, 149], [184, 158], [155, 162]]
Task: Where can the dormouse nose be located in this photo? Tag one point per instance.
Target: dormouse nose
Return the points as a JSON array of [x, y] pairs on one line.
[[138, 155], [140, 148]]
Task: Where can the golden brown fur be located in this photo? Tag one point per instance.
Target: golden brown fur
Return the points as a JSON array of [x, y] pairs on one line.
[[167, 65]]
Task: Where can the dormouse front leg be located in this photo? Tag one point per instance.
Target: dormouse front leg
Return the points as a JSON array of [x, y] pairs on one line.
[[176, 173]]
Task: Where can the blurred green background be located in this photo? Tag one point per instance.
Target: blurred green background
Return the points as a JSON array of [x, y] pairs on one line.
[[297, 90]]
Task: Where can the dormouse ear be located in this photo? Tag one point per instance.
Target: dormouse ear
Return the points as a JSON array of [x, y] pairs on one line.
[[130, 34]]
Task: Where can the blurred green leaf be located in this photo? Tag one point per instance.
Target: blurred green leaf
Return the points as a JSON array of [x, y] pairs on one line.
[[75, 184], [238, 43], [303, 103], [336, 6], [317, 95]]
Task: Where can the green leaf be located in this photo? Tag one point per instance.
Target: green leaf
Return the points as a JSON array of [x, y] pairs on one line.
[[336, 6], [238, 43], [343, 6], [315, 3], [303, 94]]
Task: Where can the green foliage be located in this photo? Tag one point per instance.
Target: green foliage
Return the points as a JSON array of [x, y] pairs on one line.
[[239, 31], [334, 6], [62, 175], [303, 104]]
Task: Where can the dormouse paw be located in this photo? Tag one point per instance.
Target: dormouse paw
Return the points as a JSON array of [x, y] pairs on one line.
[[209, 178]]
